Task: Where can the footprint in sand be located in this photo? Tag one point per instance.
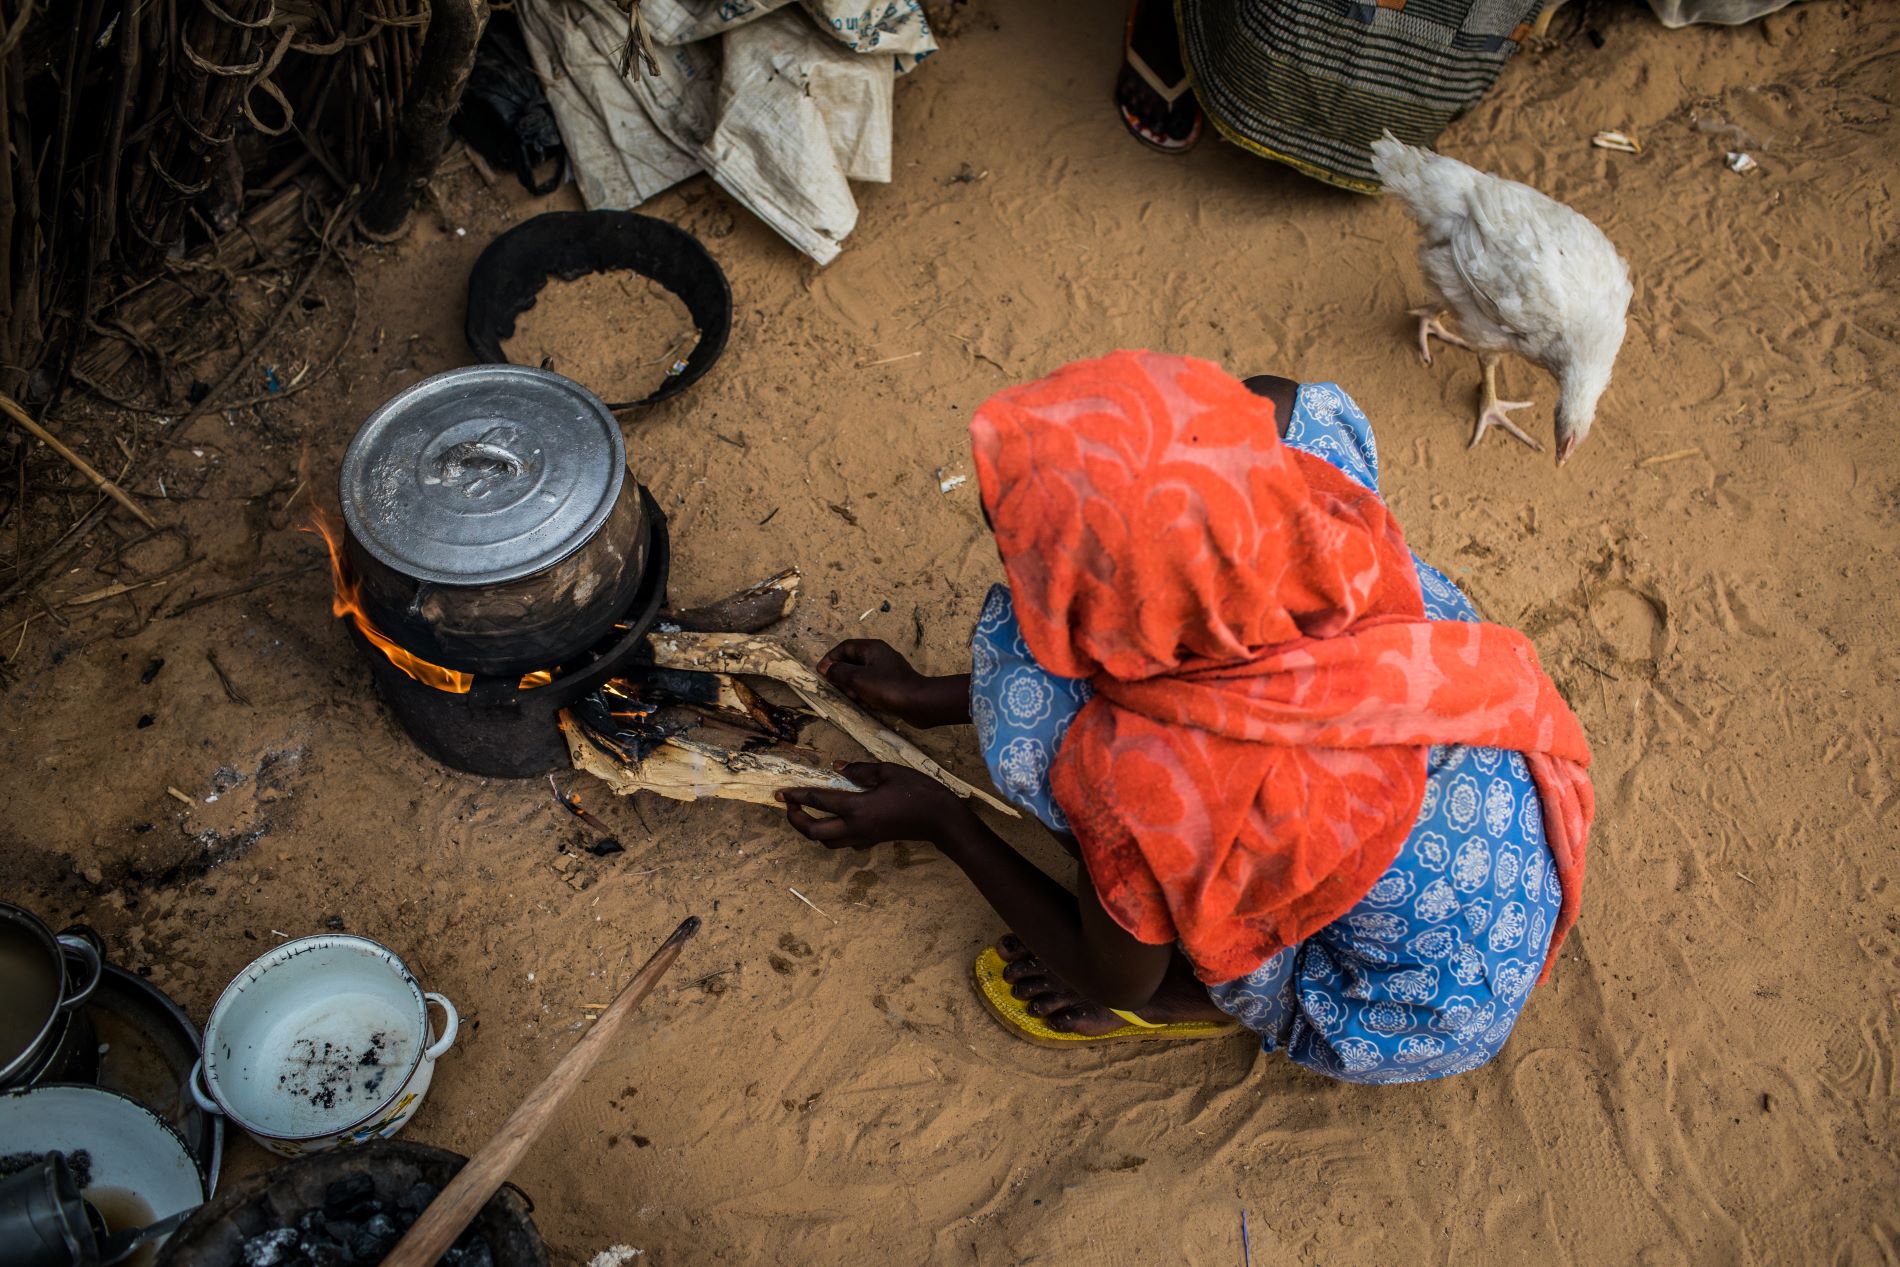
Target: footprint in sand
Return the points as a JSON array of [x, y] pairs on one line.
[[1634, 622], [1584, 1164]]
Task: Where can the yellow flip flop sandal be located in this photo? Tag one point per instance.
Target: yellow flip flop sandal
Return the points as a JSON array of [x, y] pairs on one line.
[[1020, 1021]]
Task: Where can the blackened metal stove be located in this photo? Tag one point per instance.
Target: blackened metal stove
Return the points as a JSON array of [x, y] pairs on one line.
[[509, 726], [498, 562]]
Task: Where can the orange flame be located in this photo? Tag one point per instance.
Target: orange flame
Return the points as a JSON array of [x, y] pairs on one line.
[[347, 600], [540, 677], [637, 710]]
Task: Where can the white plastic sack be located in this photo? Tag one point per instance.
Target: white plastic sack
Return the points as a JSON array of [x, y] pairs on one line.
[[774, 104], [687, 21], [620, 157], [1678, 13], [798, 116], [897, 28]]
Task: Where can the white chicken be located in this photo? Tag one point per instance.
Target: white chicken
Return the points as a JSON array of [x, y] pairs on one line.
[[1522, 273]]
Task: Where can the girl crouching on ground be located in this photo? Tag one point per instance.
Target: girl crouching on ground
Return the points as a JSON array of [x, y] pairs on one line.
[[1308, 790]]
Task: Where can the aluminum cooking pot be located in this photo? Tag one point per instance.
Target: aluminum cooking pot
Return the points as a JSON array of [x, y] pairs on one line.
[[491, 524], [43, 980]]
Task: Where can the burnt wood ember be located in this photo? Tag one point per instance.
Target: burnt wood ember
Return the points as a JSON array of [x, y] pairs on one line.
[[606, 843], [719, 694], [620, 723], [751, 610]]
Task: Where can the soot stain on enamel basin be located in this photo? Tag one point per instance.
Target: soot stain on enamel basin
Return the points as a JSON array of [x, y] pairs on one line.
[[324, 1074]]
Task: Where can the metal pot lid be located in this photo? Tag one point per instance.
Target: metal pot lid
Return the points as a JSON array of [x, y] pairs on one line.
[[481, 475]]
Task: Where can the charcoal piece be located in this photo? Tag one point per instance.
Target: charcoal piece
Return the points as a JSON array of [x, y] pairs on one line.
[[375, 1239], [362, 1235], [416, 1200], [328, 1253], [271, 1249], [682, 686], [351, 1197], [470, 1251], [606, 847], [151, 671], [340, 1231], [621, 725]]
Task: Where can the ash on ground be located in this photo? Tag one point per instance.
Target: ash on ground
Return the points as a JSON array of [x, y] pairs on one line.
[[355, 1228]]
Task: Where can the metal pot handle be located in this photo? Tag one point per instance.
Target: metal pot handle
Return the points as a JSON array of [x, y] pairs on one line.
[[82, 943], [194, 1083], [451, 1025]]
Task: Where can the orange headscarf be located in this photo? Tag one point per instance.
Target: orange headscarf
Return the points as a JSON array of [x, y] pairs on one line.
[[1267, 684]]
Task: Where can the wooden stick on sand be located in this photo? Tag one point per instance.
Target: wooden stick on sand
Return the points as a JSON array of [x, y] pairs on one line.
[[12, 410], [469, 1191]]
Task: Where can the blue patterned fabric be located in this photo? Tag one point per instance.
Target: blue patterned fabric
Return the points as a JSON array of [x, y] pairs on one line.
[[1427, 974], [1021, 710]]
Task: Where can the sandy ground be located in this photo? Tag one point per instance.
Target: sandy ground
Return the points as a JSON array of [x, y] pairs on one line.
[[1709, 1078], [617, 333]]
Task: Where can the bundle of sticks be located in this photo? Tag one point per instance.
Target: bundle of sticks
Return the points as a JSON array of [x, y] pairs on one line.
[[130, 128], [687, 724]]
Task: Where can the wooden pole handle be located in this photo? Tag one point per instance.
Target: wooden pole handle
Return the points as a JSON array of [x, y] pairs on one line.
[[456, 1206]]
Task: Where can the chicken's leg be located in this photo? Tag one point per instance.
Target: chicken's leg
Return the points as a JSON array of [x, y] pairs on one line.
[[1493, 412], [1430, 325]]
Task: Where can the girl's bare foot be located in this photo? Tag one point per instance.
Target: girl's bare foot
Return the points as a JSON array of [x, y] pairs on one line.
[[1062, 1008]]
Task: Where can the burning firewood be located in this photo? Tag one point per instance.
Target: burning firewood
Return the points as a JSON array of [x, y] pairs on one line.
[[685, 770], [748, 611], [720, 696], [739, 653]]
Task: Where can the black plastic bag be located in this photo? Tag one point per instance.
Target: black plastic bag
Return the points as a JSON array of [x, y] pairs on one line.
[[505, 116]]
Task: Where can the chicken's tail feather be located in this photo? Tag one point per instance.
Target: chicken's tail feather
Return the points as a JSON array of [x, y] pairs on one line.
[[1431, 185], [1401, 167]]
